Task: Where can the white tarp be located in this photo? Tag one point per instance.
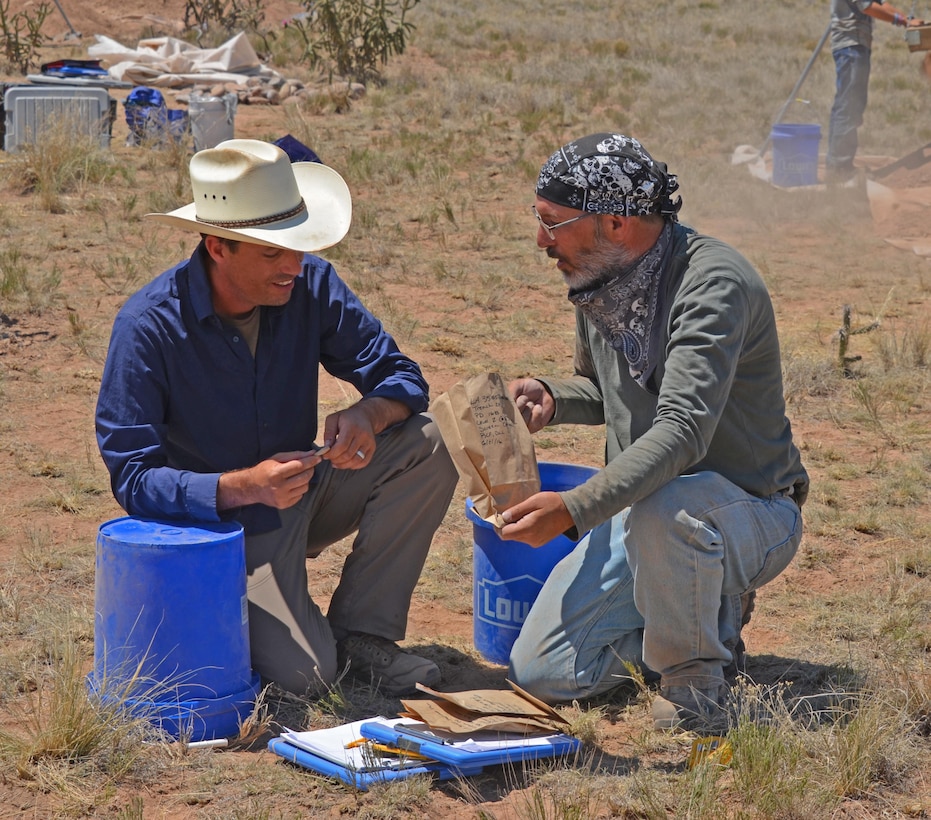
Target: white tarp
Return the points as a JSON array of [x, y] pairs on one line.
[[171, 63]]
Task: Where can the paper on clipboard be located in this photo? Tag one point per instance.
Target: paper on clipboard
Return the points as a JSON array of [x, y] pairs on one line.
[[331, 744], [446, 716], [468, 755]]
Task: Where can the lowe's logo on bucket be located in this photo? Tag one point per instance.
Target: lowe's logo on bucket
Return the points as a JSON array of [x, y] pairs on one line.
[[506, 603]]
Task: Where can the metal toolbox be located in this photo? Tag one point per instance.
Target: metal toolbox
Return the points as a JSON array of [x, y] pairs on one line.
[[29, 111]]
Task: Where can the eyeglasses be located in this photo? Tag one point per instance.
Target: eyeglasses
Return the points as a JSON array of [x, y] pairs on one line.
[[550, 228]]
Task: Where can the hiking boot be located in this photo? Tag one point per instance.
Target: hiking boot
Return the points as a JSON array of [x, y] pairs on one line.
[[690, 708], [384, 664]]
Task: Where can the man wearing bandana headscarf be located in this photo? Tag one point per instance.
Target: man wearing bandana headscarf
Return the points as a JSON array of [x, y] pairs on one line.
[[699, 502]]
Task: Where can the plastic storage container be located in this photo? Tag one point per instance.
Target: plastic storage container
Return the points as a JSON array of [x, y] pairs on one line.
[[30, 111]]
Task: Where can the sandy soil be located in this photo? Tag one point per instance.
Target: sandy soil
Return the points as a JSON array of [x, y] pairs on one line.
[[51, 418]]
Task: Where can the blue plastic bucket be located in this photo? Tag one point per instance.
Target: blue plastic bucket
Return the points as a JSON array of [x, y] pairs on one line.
[[795, 154], [508, 575], [171, 626]]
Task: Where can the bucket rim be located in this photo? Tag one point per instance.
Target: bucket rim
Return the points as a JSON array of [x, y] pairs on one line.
[[545, 467], [132, 530], [797, 128]]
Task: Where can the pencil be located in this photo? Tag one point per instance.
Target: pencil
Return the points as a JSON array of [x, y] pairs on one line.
[[398, 752]]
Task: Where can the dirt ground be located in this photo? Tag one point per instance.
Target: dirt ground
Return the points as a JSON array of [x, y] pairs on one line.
[[51, 418]]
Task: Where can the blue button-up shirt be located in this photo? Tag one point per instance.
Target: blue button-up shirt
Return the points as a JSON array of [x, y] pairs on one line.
[[182, 399]]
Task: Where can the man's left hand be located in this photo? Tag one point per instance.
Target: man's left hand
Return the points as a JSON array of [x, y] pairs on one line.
[[537, 520], [351, 438]]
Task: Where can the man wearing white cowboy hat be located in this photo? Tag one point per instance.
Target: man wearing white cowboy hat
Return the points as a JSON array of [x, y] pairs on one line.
[[208, 411]]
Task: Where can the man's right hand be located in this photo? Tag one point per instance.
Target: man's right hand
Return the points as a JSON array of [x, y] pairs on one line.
[[534, 401], [279, 481]]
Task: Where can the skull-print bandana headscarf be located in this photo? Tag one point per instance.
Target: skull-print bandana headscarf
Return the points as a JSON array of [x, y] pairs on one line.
[[613, 174], [609, 174]]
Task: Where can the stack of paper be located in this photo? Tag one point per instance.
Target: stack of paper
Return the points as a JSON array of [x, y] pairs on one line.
[[477, 710], [454, 735], [341, 745]]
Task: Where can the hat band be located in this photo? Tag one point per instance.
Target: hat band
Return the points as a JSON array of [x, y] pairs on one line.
[[298, 209]]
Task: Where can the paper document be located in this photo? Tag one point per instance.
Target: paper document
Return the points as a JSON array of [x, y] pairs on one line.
[[331, 744], [477, 742], [464, 713]]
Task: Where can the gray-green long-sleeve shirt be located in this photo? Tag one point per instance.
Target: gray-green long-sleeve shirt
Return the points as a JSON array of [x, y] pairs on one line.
[[715, 400]]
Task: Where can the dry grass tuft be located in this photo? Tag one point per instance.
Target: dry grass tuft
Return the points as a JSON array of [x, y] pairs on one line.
[[835, 716]]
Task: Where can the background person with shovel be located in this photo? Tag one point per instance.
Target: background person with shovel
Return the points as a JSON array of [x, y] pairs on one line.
[[851, 46]]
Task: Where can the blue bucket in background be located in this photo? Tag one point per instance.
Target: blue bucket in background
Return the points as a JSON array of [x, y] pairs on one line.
[[171, 625], [508, 575], [795, 154]]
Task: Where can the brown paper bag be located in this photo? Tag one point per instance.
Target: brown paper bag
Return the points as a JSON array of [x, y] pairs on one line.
[[489, 443]]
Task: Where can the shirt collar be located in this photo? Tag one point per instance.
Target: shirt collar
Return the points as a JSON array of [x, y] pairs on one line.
[[199, 284]]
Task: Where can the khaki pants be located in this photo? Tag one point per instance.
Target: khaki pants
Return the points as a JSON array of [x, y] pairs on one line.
[[395, 505]]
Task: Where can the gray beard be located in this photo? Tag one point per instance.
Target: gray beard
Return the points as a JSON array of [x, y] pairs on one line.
[[598, 266]]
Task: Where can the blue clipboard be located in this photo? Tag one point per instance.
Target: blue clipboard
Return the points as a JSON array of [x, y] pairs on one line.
[[466, 757], [358, 779]]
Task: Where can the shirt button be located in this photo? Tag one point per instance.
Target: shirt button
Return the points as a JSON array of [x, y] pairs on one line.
[[235, 338]]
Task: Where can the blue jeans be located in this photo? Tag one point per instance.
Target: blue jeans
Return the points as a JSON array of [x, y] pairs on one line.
[[657, 585], [852, 65]]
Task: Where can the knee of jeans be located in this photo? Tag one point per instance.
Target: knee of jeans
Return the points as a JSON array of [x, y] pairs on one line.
[[446, 476], [528, 669], [544, 677], [657, 511], [529, 678]]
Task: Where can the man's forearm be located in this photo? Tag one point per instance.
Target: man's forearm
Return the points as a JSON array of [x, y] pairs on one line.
[[887, 14], [235, 489], [382, 413]]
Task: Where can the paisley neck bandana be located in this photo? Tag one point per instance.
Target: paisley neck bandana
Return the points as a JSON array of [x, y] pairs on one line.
[[609, 174], [624, 309]]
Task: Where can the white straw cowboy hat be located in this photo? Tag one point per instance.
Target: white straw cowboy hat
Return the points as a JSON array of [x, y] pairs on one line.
[[250, 191]]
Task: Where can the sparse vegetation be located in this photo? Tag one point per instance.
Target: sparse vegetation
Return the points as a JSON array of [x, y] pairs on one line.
[[213, 21], [63, 157], [22, 37], [834, 716], [353, 39]]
